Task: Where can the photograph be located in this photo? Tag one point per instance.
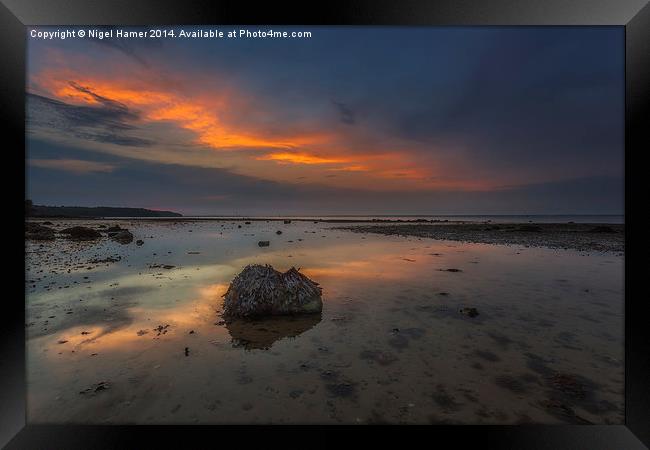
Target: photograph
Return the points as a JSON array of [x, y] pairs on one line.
[[359, 225]]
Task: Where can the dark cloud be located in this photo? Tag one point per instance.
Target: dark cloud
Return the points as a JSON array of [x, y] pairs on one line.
[[346, 115], [504, 104], [531, 100], [109, 123], [106, 102]]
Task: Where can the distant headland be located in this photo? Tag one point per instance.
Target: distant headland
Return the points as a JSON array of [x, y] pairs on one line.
[[32, 210]]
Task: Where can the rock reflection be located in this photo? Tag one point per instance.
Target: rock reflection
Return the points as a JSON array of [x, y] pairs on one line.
[[264, 332]]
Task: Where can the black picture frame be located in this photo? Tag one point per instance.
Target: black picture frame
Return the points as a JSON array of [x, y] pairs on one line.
[[633, 15]]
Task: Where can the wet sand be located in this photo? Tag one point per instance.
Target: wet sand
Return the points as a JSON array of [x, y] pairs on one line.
[[120, 333], [576, 236]]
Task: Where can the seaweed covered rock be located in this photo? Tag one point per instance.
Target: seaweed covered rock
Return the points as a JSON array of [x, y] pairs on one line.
[[81, 233], [119, 234], [123, 236], [38, 232], [260, 290]]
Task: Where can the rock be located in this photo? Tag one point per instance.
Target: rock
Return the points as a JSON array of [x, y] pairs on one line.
[[37, 232], [296, 393], [47, 222], [114, 229], [278, 232], [469, 312], [287, 221], [263, 243], [161, 329], [81, 233], [101, 386], [123, 236], [263, 291], [139, 242], [341, 390], [108, 259], [161, 266]]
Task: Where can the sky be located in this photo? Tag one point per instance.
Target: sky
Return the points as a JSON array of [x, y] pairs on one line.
[[354, 120]]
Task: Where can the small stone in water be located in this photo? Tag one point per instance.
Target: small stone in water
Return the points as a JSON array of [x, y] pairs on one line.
[[470, 312]]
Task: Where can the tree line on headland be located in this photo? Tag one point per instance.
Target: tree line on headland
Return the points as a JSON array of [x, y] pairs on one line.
[[32, 210]]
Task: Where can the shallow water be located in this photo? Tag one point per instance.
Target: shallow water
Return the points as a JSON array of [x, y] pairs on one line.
[[124, 342]]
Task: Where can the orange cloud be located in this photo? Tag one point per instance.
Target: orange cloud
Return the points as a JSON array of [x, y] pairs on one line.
[[302, 158], [359, 158], [403, 173], [357, 168], [201, 116]]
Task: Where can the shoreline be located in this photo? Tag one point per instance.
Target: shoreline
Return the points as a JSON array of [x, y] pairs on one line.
[[246, 219], [607, 238], [587, 237], [317, 219]]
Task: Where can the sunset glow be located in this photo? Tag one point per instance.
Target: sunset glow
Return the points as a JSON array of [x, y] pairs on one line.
[[327, 127]]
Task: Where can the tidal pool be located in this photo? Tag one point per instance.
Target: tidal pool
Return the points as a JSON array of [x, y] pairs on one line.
[[115, 334]]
